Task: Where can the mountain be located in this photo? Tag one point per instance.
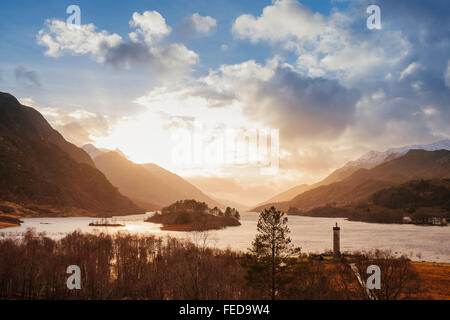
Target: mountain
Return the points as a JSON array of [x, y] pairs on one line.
[[178, 187], [415, 164], [92, 151], [288, 194], [368, 161], [147, 184], [232, 204], [39, 168], [374, 158]]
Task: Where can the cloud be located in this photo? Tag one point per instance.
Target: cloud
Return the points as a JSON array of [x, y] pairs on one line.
[[325, 45], [303, 106], [413, 67], [146, 46], [27, 77], [81, 40], [77, 126], [280, 97], [173, 58], [306, 111], [202, 25], [283, 21], [396, 59], [333, 88], [347, 90], [151, 25]]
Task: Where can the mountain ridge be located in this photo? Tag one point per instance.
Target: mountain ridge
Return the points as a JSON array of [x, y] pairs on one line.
[[146, 183], [39, 168], [366, 161], [415, 164]]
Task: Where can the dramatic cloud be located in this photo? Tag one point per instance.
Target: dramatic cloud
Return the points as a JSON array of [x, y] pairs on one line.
[[305, 110], [325, 46], [146, 45], [399, 78], [348, 89], [333, 88], [27, 77], [280, 97], [302, 106]]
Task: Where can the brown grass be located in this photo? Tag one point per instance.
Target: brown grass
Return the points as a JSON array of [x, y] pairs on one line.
[[435, 280]]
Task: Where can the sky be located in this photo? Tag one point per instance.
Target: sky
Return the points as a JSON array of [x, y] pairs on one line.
[[298, 87]]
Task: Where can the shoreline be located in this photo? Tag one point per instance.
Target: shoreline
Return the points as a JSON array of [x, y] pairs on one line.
[[183, 228], [137, 226], [5, 225], [370, 222]]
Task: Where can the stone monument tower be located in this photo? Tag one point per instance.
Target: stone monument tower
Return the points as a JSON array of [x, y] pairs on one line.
[[336, 241]]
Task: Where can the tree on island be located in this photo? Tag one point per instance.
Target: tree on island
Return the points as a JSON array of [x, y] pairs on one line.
[[271, 254], [232, 213]]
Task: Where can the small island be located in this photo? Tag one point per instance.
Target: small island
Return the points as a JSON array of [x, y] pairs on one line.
[[105, 223], [191, 215]]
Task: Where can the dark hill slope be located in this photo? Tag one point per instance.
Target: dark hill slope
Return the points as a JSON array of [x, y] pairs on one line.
[[39, 167]]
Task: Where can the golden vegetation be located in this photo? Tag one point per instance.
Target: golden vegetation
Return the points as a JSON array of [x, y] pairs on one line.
[[127, 266]]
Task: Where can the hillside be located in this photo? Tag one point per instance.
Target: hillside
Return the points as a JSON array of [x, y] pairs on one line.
[[414, 195], [367, 161], [148, 185], [416, 164], [41, 173], [179, 187], [419, 200]]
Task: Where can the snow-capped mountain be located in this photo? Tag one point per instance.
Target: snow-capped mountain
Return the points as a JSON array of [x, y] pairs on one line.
[[374, 158], [368, 161]]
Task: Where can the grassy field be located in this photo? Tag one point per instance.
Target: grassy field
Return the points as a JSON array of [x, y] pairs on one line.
[[435, 280]]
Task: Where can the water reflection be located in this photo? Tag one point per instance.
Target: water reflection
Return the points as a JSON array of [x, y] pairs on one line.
[[428, 243]]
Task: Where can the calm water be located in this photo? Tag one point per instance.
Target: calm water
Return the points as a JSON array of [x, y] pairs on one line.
[[430, 243]]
